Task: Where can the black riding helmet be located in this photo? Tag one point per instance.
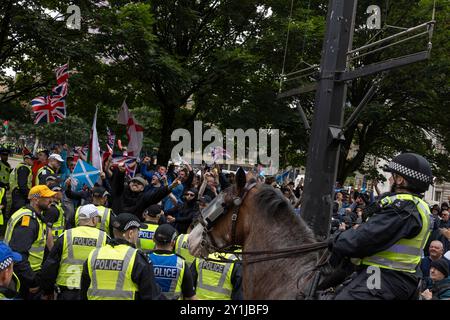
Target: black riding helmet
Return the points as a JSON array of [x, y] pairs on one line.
[[414, 168]]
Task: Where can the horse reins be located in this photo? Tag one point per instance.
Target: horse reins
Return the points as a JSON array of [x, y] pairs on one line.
[[275, 254], [313, 275]]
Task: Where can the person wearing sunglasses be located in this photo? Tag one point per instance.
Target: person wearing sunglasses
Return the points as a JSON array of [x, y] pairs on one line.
[[181, 216]]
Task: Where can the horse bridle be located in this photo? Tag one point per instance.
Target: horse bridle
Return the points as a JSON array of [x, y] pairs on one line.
[[220, 210], [209, 221]]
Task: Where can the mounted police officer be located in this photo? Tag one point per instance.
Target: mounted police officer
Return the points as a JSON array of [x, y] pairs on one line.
[[389, 245], [20, 181]]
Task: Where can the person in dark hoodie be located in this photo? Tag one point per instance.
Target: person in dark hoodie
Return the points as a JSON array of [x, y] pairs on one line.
[[181, 216], [131, 197]]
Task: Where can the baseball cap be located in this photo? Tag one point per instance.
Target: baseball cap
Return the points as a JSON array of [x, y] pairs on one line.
[[88, 211], [56, 156], [140, 180], [165, 233], [56, 188], [41, 191], [4, 151], [153, 210], [28, 156], [52, 177], [99, 192], [7, 256], [126, 221]]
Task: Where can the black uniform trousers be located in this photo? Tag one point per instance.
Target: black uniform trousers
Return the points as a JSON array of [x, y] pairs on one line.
[[394, 285]]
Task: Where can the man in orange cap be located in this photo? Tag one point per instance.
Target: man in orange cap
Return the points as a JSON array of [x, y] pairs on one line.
[[26, 233]]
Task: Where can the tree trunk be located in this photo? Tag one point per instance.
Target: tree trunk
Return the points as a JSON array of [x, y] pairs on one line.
[[168, 125]]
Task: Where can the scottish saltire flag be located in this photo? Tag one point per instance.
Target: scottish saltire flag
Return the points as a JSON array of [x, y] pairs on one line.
[[281, 177], [128, 162], [62, 73], [85, 174]]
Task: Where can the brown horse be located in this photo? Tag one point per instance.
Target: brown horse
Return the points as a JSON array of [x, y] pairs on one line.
[[265, 221]]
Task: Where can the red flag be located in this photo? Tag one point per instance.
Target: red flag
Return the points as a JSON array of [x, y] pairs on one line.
[[135, 132]]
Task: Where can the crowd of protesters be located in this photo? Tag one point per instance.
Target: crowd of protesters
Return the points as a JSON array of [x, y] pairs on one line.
[[174, 195], [154, 195]]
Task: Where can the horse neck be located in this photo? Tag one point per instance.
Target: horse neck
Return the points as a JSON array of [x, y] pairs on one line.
[[277, 278]]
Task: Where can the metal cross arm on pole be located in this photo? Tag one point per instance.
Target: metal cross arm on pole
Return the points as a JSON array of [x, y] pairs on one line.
[[383, 66], [297, 91], [364, 101]]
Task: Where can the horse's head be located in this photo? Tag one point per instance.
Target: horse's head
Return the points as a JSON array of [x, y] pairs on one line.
[[223, 222]]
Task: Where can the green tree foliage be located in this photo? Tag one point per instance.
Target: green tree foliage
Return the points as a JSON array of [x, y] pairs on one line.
[[220, 62]]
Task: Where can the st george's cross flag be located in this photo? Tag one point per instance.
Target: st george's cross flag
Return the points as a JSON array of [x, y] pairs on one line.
[[135, 132]]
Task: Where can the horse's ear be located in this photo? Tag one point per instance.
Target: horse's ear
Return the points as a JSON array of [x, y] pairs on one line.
[[241, 180]]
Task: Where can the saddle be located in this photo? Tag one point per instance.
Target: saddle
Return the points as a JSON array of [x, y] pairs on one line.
[[327, 280]]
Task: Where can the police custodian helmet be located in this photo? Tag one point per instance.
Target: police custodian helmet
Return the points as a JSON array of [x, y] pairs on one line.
[[414, 168]]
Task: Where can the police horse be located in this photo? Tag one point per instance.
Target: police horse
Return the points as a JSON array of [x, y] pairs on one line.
[[280, 254]]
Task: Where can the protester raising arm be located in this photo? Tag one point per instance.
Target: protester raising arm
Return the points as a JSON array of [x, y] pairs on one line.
[[202, 186], [153, 197], [117, 182], [187, 184], [148, 174]]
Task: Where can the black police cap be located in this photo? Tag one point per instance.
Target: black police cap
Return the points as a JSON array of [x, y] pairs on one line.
[[165, 233], [126, 221], [414, 168]]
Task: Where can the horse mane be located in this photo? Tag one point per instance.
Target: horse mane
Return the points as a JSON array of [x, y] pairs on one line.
[[273, 207], [275, 226]]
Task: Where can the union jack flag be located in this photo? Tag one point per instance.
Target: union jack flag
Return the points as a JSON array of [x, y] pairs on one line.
[[111, 140], [48, 109], [62, 73], [60, 90], [129, 162]]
